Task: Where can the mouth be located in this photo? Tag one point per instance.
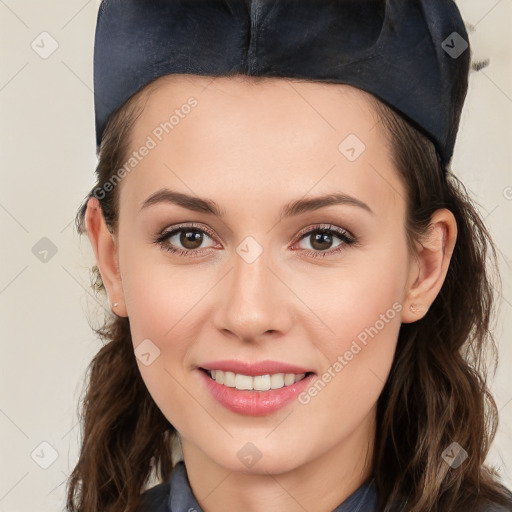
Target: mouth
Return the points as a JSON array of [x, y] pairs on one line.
[[264, 382], [263, 392]]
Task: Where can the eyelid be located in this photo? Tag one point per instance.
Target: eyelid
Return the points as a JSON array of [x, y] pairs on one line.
[[161, 239], [188, 225], [343, 234], [325, 227]]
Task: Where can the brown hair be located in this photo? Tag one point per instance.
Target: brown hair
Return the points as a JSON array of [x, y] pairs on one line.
[[436, 392]]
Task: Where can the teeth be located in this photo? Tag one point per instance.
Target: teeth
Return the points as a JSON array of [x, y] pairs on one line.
[[257, 383], [243, 382], [261, 382], [229, 379]]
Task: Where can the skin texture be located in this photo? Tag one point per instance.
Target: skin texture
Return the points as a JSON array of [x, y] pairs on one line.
[[252, 148]]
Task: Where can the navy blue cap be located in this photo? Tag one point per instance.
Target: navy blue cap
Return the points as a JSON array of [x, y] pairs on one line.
[[411, 54]]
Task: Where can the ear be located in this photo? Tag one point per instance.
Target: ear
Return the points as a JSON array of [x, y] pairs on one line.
[[429, 269], [104, 245]]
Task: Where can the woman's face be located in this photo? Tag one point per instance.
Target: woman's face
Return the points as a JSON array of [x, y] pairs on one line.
[[260, 281]]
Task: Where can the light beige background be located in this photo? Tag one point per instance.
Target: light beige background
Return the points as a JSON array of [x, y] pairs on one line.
[[47, 163]]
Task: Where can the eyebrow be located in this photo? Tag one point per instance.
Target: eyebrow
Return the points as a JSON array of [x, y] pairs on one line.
[[291, 209]]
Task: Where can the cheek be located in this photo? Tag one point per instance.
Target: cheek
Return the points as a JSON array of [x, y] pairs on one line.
[[366, 291], [160, 304], [360, 307]]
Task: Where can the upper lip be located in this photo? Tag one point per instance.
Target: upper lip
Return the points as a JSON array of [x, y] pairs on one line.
[[253, 369]]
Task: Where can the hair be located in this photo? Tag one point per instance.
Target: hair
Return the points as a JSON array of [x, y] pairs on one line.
[[436, 393]]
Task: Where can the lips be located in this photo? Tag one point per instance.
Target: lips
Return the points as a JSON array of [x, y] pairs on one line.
[[254, 369], [254, 403], [244, 386]]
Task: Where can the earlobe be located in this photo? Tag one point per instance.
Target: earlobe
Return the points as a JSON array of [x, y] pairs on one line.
[[431, 265], [106, 252]]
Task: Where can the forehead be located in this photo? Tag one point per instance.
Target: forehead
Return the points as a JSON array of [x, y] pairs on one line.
[[267, 135], [311, 100]]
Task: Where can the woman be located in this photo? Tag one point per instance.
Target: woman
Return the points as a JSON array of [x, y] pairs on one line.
[[286, 253]]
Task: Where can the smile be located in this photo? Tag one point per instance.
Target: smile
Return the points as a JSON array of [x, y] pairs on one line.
[[254, 395], [255, 383]]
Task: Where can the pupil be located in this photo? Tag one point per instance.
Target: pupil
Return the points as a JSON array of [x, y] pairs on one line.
[[191, 239], [318, 239]]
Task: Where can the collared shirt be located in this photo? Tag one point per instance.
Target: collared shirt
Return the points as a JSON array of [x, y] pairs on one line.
[[176, 495]]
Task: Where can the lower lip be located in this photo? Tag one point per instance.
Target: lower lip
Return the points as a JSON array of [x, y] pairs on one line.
[[254, 403]]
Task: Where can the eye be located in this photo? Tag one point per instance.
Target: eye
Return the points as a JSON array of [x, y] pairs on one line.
[[321, 238], [189, 237]]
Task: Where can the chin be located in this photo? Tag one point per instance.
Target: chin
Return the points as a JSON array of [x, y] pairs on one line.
[[252, 461]]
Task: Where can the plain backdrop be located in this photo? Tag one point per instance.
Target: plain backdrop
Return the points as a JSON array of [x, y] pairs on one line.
[[47, 165]]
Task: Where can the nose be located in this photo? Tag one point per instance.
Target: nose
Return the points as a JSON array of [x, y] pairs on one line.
[[253, 301]]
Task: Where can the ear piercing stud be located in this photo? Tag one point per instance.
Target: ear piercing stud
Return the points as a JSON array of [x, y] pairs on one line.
[[115, 304], [413, 308]]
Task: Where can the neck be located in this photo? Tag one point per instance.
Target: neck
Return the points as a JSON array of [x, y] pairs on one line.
[[320, 484]]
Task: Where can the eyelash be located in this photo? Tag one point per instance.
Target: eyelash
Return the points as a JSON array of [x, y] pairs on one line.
[[346, 237]]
